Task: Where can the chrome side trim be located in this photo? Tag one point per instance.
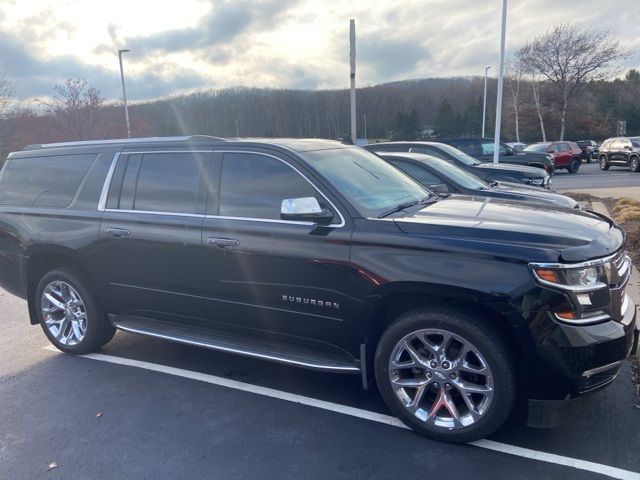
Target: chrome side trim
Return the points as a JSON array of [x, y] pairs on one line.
[[333, 225], [247, 353], [102, 203], [594, 371], [589, 263], [150, 212], [267, 220], [583, 321], [164, 151]]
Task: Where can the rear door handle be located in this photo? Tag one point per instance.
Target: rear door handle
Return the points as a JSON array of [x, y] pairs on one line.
[[223, 242], [118, 232]]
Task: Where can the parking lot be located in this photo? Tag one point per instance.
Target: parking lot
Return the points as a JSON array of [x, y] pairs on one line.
[[590, 176], [144, 408]]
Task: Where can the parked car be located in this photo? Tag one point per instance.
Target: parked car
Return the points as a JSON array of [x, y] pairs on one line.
[[517, 146], [482, 149], [320, 255], [567, 154], [444, 178], [620, 152], [589, 149], [488, 171]]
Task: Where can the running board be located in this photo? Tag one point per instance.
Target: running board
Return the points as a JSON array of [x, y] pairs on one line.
[[276, 348]]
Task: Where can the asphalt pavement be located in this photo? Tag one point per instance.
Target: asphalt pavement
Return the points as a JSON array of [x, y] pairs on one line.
[[590, 176], [146, 408]]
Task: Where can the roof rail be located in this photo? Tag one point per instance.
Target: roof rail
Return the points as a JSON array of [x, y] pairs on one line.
[[125, 141]]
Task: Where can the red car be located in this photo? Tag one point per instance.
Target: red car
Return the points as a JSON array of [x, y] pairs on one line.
[[567, 154]]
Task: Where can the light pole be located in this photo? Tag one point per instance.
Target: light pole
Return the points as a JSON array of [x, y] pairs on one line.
[[503, 30], [124, 92], [484, 103]]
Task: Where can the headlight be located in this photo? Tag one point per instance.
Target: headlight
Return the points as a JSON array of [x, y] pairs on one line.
[[584, 279]]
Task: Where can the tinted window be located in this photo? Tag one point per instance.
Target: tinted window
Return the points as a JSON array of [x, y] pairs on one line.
[[43, 181], [563, 147], [469, 147], [537, 147], [487, 148], [254, 186], [429, 151], [422, 175], [166, 182]]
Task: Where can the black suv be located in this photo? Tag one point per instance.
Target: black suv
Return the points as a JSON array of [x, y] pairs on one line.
[[620, 152], [589, 149], [482, 149], [319, 255], [488, 171]]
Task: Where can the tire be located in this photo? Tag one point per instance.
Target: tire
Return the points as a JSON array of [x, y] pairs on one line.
[[574, 165], [634, 164], [602, 161], [74, 321], [423, 327]]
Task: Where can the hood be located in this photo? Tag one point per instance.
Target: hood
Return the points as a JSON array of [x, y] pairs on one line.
[[535, 194], [536, 232], [521, 170]]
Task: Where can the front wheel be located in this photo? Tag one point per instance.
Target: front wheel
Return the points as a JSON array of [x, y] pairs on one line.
[[604, 165], [634, 165], [574, 165], [69, 314], [446, 374]]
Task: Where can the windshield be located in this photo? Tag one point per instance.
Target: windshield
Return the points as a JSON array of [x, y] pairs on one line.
[[457, 175], [368, 182], [635, 141], [538, 147], [458, 154]]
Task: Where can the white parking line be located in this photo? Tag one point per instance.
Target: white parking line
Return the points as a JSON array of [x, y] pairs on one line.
[[359, 413]]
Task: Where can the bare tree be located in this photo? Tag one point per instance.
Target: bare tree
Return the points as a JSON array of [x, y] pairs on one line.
[[570, 55], [535, 87], [7, 96], [75, 108], [513, 72]]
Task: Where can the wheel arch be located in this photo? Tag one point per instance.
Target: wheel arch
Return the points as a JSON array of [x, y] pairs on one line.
[[42, 259]]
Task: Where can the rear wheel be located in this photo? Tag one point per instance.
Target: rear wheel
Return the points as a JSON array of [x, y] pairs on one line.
[[634, 165], [574, 165], [69, 314], [604, 165], [446, 374]]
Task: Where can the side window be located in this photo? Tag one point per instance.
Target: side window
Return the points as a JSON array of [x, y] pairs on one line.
[[254, 185], [429, 151], [421, 175], [467, 146], [564, 147], [43, 181], [160, 182], [555, 148], [487, 148]]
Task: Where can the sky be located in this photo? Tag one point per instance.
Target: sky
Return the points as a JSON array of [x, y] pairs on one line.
[[190, 45]]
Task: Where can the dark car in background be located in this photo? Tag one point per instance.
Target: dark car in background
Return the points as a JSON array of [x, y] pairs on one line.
[[320, 255], [444, 178], [620, 152], [482, 149], [589, 149], [488, 171], [567, 154]]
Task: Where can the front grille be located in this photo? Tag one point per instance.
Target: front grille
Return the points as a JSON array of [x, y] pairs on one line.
[[618, 272]]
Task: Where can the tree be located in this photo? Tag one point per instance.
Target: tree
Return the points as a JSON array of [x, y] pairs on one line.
[[513, 74], [75, 108], [406, 126], [445, 120], [7, 97], [568, 56]]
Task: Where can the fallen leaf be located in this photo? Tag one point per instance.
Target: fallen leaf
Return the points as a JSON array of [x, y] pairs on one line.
[[52, 465]]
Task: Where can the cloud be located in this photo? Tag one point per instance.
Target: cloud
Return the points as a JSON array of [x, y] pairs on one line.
[[388, 58]]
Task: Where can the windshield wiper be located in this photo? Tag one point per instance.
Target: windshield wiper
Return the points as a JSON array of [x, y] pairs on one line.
[[403, 206]]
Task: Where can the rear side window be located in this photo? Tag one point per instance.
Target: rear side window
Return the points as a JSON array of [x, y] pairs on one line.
[[422, 175], [254, 185], [469, 147], [429, 151], [160, 182], [43, 181]]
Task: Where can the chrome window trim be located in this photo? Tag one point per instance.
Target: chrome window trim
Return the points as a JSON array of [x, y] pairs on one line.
[[273, 220], [102, 203]]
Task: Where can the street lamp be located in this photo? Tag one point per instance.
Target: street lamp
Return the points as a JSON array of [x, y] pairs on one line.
[[124, 91], [484, 104], [496, 135]]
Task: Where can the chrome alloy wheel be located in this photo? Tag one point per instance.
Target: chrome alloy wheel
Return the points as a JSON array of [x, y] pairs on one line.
[[64, 313], [441, 378]]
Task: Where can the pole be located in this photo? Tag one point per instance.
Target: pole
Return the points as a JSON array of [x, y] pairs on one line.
[[365, 126], [237, 131], [352, 57], [124, 93], [503, 31], [484, 103]]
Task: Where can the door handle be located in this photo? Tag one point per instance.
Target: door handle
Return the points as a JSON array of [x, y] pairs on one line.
[[118, 232], [223, 242]]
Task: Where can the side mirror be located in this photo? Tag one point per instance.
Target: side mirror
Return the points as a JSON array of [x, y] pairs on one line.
[[440, 189], [509, 152], [306, 209]]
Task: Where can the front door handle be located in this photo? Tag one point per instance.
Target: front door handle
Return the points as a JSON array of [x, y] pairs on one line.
[[223, 242], [118, 232]]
